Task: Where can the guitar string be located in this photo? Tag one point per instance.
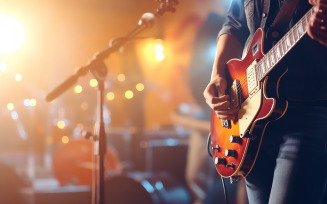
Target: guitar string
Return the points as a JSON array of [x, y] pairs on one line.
[[304, 20]]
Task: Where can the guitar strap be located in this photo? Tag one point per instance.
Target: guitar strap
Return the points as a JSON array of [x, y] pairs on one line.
[[283, 18]]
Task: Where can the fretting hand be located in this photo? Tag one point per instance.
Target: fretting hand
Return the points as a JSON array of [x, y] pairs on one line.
[[317, 27]]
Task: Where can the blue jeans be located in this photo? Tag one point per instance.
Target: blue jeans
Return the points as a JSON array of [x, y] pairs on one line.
[[292, 163]]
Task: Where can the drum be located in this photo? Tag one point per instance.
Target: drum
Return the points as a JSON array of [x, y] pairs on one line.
[[72, 163], [146, 188]]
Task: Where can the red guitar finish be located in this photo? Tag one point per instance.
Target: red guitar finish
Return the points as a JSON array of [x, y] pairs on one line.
[[254, 91]]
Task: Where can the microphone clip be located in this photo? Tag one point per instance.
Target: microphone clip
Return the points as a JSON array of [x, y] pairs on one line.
[[166, 5]]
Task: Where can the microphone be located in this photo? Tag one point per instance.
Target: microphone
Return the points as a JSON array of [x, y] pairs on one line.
[[147, 20]]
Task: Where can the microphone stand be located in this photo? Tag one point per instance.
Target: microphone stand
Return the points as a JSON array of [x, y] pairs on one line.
[[99, 70]]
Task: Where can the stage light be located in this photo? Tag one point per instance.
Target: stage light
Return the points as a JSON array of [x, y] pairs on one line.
[[78, 89], [18, 77], [160, 56], [159, 48], [10, 106], [129, 94], [11, 35], [61, 124], [121, 77], [3, 67], [93, 83], [110, 96], [139, 87], [64, 139]]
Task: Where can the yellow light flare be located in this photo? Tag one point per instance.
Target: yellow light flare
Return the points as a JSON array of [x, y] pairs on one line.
[[64, 139], [32, 102], [11, 35], [110, 96], [3, 67], [129, 94], [10, 106], [61, 124], [140, 87], [121, 77], [160, 56], [18, 77], [78, 89], [93, 83], [158, 48]]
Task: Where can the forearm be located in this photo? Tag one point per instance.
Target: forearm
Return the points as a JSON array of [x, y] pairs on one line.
[[228, 47]]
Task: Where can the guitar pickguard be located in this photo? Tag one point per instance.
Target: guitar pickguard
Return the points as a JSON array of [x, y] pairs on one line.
[[249, 109]]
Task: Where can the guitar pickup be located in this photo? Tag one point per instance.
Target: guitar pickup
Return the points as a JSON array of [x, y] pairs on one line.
[[235, 97]]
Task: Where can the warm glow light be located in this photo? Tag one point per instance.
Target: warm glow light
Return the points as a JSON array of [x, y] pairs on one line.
[[129, 94], [32, 102], [158, 48], [11, 35], [3, 67], [121, 77], [110, 96], [78, 89], [18, 77], [159, 51], [93, 82], [61, 124], [139, 87], [160, 56], [64, 139], [10, 106]]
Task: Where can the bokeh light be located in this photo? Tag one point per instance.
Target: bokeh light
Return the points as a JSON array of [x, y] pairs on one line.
[[32, 102], [93, 83], [110, 96], [140, 87], [129, 94], [61, 124], [121, 77], [10, 106], [18, 77], [64, 139], [78, 89]]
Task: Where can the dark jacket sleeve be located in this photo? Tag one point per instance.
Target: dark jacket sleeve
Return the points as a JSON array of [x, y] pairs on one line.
[[235, 23]]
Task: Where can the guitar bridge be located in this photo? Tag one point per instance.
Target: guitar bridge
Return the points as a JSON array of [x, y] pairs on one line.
[[251, 77]]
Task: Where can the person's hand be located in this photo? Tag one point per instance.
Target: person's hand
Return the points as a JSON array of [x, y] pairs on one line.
[[216, 98], [317, 27]]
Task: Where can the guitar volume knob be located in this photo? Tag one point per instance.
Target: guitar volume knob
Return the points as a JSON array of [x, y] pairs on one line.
[[230, 153], [220, 161], [217, 148], [235, 139]]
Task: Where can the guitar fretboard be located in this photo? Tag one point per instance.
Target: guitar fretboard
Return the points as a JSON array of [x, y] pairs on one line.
[[284, 45]]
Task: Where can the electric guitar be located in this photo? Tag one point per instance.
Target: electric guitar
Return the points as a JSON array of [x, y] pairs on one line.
[[253, 83]]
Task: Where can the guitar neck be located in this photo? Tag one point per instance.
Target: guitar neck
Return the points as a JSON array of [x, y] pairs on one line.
[[284, 45]]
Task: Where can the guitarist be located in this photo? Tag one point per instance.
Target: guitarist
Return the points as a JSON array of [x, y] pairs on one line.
[[291, 166]]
